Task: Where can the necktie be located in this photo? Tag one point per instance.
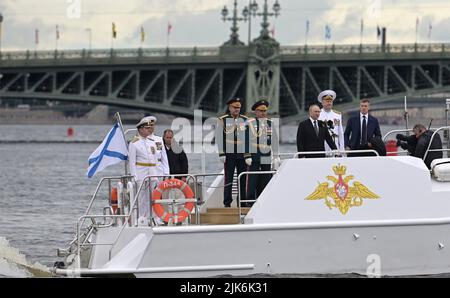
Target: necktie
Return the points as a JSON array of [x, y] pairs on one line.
[[364, 131], [316, 128]]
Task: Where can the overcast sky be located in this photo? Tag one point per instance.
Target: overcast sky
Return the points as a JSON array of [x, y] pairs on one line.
[[198, 22]]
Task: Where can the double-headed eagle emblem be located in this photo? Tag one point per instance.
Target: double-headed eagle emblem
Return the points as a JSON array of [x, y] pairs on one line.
[[343, 196]]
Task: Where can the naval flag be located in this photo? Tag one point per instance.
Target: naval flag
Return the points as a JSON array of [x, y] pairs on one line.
[[112, 150]]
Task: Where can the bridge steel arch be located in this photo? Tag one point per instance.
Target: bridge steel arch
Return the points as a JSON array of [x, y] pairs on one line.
[[177, 81]]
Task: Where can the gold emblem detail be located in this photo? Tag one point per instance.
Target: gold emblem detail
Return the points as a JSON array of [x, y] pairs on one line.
[[343, 196]]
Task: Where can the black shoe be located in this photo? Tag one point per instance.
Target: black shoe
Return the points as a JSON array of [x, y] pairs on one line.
[[227, 205]]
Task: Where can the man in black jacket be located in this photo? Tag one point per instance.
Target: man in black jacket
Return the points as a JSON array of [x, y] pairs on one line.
[[178, 162], [423, 141], [312, 134]]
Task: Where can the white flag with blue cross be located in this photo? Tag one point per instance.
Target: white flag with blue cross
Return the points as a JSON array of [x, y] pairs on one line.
[[112, 150]]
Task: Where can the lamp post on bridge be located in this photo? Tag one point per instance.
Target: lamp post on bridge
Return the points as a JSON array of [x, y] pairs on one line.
[[89, 31], [264, 69], [234, 37], [266, 14]]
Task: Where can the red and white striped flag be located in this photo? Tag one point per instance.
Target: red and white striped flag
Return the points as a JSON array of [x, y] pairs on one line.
[[36, 36], [273, 31], [57, 32], [169, 28], [430, 27]]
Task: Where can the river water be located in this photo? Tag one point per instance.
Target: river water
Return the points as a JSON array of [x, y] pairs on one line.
[[45, 189]]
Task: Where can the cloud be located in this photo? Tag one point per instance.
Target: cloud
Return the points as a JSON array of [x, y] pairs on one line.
[[198, 22]]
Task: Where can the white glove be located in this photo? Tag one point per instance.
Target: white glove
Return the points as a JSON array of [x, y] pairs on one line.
[[222, 159], [248, 161], [276, 163]]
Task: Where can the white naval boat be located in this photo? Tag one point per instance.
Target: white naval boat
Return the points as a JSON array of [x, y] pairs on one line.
[[384, 216]]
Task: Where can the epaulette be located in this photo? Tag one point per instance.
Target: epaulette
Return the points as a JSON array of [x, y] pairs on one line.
[[135, 139], [243, 116], [251, 119], [337, 112], [223, 117]]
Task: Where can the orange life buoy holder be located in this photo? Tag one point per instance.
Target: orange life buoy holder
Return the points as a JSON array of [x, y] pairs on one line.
[[159, 209]]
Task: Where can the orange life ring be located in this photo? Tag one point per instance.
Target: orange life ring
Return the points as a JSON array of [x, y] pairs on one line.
[[114, 201], [159, 209]]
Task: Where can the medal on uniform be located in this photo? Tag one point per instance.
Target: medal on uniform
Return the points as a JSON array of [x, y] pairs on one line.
[[153, 150], [158, 146]]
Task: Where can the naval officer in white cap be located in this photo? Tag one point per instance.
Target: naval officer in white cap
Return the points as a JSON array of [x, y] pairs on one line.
[[147, 156], [332, 118]]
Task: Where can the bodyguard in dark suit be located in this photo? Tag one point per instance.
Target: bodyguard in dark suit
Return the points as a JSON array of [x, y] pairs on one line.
[[313, 133], [361, 129]]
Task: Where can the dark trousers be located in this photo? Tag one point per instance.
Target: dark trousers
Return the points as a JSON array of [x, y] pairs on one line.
[[233, 162], [257, 182]]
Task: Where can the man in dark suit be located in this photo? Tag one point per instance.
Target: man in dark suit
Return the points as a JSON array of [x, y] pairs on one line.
[[361, 129], [313, 133]]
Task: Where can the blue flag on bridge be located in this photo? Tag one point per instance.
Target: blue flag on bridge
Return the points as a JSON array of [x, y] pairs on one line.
[[327, 32]]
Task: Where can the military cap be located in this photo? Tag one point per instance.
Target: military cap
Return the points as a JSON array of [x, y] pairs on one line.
[[327, 94], [261, 105], [235, 102], [147, 121]]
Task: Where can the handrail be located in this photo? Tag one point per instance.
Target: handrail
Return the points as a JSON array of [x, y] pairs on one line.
[[135, 200], [335, 152], [395, 130], [239, 188], [215, 51]]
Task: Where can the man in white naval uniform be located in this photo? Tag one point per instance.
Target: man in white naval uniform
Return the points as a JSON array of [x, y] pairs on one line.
[[147, 156], [328, 116]]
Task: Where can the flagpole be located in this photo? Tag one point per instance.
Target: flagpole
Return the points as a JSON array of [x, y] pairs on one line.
[[417, 28], [406, 116], [56, 37], [119, 121]]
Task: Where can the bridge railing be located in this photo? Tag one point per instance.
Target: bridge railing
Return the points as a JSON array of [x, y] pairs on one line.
[[108, 53], [366, 49], [215, 51]]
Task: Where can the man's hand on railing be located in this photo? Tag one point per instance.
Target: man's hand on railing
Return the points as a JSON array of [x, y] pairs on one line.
[[276, 162]]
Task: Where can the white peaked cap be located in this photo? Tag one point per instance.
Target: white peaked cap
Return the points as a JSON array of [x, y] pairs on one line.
[[325, 93], [148, 120]]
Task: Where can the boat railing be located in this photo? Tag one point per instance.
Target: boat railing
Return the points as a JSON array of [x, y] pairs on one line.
[[239, 201], [337, 153], [396, 131], [147, 179]]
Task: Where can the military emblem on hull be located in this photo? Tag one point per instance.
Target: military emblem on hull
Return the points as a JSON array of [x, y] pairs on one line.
[[343, 196]]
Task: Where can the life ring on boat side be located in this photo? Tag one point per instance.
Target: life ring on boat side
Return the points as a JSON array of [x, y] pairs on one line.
[[159, 209]]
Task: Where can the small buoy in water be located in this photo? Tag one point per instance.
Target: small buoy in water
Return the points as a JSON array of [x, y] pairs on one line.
[[70, 132]]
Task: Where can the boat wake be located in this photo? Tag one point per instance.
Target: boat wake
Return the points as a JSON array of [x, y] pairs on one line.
[[15, 264]]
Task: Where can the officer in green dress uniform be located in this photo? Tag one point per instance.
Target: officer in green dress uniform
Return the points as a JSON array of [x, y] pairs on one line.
[[261, 137], [232, 141]]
